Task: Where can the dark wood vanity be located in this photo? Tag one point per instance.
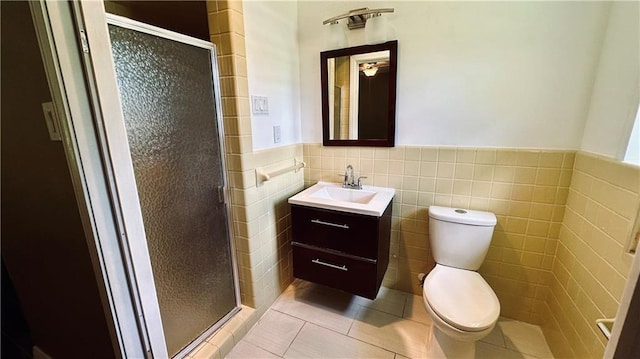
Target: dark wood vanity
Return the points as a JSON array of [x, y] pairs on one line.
[[341, 250]]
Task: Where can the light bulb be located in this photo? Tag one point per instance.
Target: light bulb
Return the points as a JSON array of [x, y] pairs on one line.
[[371, 71], [336, 36], [375, 30]]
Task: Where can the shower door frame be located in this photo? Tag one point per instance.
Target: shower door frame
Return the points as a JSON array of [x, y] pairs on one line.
[[95, 21], [125, 168], [76, 36]]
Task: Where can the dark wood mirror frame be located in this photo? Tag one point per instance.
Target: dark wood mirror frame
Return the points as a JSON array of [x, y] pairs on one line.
[[392, 47]]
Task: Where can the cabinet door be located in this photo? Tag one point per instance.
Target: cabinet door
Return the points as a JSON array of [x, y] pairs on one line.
[[353, 234], [334, 270]]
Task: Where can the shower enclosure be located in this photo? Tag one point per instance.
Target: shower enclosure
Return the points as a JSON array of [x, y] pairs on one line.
[[166, 89], [144, 130]]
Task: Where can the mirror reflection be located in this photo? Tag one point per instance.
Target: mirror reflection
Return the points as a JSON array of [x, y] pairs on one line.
[[369, 74], [359, 95]]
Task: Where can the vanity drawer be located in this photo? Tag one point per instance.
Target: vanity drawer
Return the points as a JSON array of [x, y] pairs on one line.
[[338, 271], [343, 232]]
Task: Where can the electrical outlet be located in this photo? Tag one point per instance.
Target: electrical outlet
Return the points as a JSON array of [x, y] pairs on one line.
[[277, 136]]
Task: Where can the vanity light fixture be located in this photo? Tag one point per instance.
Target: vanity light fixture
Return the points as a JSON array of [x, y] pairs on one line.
[[370, 70], [357, 18]]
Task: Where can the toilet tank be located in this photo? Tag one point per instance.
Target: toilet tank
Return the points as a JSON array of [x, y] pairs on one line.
[[460, 238]]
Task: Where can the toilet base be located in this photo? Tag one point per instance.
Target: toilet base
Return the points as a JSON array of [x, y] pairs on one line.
[[442, 346]]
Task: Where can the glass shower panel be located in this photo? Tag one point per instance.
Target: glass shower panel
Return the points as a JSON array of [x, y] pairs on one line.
[[166, 89]]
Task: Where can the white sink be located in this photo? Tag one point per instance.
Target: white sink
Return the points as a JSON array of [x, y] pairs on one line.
[[344, 194], [369, 200]]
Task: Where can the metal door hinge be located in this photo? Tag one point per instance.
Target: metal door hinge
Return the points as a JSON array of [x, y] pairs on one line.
[[84, 42]]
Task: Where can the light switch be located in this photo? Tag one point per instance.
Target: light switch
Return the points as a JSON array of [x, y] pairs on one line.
[[260, 105]]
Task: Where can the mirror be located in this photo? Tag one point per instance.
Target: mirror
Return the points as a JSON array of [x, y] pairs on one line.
[[359, 95]]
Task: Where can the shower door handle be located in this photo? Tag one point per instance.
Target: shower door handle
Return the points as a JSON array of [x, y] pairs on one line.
[[220, 191]]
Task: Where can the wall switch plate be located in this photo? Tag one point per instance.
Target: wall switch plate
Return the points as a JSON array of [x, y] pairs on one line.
[[260, 105], [277, 136]]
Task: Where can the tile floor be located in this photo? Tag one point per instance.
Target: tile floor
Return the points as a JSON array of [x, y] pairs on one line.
[[313, 321]]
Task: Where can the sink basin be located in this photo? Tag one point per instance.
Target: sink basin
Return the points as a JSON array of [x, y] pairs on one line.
[[344, 194], [369, 200]]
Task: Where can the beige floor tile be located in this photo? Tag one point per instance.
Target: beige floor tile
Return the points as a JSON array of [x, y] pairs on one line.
[[300, 284], [244, 350], [441, 346], [388, 300], [414, 310], [274, 332], [395, 322], [320, 305], [317, 342], [401, 336], [525, 338], [495, 337], [488, 351]]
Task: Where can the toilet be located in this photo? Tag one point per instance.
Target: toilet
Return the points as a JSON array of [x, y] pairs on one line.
[[460, 302]]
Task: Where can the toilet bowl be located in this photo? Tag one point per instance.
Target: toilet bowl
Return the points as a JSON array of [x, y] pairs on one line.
[[460, 303]]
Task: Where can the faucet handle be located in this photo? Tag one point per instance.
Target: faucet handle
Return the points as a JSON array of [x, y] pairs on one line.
[[360, 184]]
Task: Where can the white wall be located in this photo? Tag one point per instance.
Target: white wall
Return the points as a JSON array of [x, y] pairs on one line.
[[616, 93], [273, 69], [502, 74], [633, 149]]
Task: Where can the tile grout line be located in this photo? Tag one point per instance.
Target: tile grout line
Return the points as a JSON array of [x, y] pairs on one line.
[[339, 333], [360, 308], [265, 349], [354, 319], [362, 341], [511, 350], [504, 340], [319, 325], [375, 345], [305, 320], [294, 338], [258, 346], [404, 305]]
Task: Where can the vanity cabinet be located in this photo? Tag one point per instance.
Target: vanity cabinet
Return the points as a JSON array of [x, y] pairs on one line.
[[341, 250]]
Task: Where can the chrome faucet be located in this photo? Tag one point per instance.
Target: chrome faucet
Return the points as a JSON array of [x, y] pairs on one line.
[[349, 179]]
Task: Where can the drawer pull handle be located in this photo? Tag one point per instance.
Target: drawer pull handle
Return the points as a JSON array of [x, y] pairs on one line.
[[317, 221], [318, 261]]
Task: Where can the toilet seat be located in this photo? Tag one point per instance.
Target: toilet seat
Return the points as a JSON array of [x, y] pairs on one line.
[[462, 298]]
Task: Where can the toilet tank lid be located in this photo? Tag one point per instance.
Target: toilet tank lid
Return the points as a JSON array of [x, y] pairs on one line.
[[463, 216]]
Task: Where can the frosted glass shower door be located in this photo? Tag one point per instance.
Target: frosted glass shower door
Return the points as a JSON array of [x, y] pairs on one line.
[[166, 89]]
